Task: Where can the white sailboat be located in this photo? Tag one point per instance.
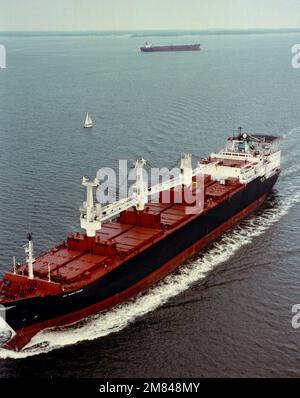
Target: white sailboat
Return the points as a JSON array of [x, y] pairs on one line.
[[88, 121]]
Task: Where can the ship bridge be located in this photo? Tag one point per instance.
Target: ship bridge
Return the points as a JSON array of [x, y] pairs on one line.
[[246, 157]]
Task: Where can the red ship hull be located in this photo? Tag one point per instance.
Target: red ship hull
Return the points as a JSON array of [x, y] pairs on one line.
[[24, 335]]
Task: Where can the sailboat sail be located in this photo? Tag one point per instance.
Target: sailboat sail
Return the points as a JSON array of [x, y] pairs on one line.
[[88, 121]]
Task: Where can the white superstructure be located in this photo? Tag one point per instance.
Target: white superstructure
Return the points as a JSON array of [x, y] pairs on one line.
[[246, 157]]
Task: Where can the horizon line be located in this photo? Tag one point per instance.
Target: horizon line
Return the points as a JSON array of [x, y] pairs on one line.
[[151, 30]]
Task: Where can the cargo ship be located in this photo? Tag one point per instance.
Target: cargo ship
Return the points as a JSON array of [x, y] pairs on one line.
[[183, 47], [130, 244]]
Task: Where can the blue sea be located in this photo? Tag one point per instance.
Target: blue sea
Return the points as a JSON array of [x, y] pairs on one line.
[[227, 311]]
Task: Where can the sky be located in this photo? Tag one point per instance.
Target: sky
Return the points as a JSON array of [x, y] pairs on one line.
[[22, 15]]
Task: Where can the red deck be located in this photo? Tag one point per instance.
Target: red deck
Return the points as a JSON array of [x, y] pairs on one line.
[[81, 259]]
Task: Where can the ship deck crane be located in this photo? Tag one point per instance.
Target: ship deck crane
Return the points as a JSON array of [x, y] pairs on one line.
[[92, 216]]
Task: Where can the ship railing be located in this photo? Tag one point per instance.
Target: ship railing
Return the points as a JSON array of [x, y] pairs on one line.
[[227, 154]]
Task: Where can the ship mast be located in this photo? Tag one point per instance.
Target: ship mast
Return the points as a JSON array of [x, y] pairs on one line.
[[140, 187], [29, 256], [90, 214], [186, 170], [14, 265]]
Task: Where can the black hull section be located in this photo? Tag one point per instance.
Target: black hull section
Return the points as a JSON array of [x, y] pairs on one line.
[[31, 311]]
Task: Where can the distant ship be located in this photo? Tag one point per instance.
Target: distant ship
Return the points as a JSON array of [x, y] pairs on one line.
[[182, 47], [88, 124], [131, 244]]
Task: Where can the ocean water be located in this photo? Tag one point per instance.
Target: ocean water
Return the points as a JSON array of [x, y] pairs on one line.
[[226, 311]]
